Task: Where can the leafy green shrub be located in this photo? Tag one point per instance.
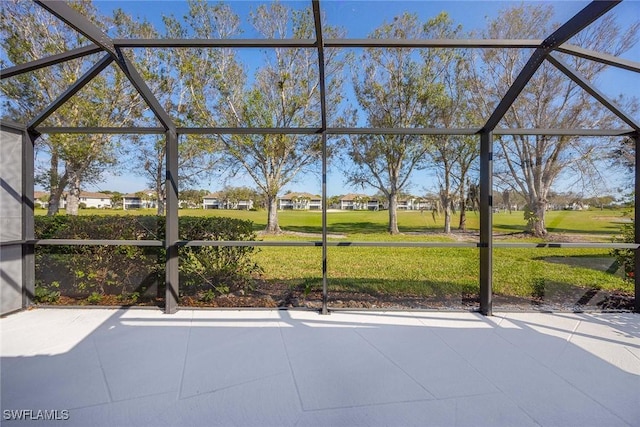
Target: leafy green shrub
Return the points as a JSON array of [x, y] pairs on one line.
[[626, 257], [47, 294], [208, 295], [222, 269], [92, 268], [94, 298], [129, 298], [130, 270], [98, 227]]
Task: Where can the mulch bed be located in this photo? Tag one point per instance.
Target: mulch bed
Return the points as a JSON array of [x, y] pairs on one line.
[[273, 294]]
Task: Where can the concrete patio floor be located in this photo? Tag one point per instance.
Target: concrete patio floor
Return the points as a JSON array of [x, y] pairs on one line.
[[140, 367]]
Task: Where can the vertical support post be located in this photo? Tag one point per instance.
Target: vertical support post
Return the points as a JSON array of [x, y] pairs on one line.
[[28, 235], [325, 287], [636, 276], [486, 222], [317, 19], [171, 223]]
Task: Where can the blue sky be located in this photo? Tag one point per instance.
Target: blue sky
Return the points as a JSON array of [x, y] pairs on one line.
[[360, 18]]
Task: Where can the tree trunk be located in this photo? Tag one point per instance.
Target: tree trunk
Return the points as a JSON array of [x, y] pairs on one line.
[[54, 201], [73, 198], [462, 225], [445, 199], [55, 189], [536, 224], [161, 197], [447, 219], [393, 214], [159, 192], [272, 221]]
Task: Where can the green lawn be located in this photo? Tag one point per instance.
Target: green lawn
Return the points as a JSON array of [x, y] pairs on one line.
[[431, 272], [600, 224]]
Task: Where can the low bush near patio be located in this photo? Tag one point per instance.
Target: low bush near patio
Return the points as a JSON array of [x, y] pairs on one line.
[[82, 271], [626, 257], [135, 274], [208, 271]]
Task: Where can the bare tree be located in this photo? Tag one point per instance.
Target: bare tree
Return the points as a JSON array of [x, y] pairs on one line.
[[506, 199], [285, 93], [452, 156], [182, 80], [395, 88], [625, 154], [28, 33], [530, 165]]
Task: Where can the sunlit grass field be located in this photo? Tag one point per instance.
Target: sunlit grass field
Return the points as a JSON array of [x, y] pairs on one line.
[[600, 224], [430, 272]]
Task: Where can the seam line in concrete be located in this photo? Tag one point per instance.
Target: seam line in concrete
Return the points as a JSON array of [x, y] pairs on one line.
[[186, 356]]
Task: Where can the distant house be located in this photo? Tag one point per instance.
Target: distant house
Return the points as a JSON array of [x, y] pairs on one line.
[[95, 200], [40, 198], [353, 201], [243, 205], [212, 201], [576, 206], [217, 200], [404, 204], [89, 200], [187, 204], [360, 202], [300, 201], [424, 204], [145, 199], [408, 203]]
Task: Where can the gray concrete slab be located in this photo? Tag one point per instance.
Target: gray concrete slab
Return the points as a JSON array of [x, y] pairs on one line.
[[141, 367]]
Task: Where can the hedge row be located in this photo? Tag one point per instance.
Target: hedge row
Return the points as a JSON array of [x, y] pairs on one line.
[[134, 272]]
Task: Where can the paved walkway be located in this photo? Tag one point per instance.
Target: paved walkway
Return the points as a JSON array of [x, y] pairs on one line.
[[141, 367]]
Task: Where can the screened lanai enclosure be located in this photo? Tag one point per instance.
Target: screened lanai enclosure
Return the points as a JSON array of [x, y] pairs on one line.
[[394, 156]]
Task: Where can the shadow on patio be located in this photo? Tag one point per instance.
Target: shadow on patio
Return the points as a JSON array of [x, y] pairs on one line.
[[267, 367]]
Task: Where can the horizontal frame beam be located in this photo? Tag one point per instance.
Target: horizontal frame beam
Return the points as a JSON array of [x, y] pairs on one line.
[[585, 245], [12, 243], [313, 243], [248, 131], [433, 43], [565, 132], [331, 131], [402, 131], [375, 43], [244, 243], [328, 43], [95, 242], [11, 125], [44, 130], [214, 43]]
